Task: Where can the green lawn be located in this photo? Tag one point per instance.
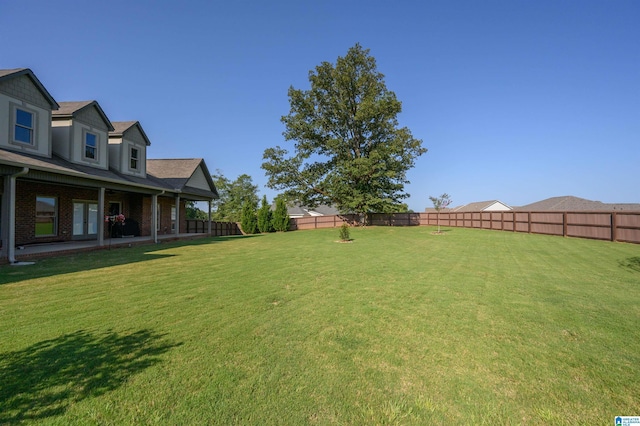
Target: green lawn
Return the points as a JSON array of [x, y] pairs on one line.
[[398, 327]]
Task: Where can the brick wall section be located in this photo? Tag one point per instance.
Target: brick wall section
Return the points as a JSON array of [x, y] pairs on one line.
[[23, 88], [26, 209], [134, 206]]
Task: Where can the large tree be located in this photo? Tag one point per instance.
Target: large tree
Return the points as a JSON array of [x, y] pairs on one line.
[[349, 150], [233, 194]]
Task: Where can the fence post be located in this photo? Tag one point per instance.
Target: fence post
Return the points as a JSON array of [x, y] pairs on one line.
[[564, 224], [614, 227]]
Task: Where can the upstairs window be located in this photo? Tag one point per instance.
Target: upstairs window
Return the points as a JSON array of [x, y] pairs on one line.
[[90, 146], [23, 128], [133, 159]]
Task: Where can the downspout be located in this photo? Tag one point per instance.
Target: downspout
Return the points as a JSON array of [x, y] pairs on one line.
[[154, 216], [11, 243]]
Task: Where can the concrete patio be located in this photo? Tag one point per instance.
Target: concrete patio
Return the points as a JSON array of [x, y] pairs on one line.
[[38, 251]]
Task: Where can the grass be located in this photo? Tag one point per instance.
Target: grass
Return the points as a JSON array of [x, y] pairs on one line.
[[399, 327]]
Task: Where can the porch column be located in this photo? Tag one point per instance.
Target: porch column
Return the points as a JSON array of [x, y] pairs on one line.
[[10, 190], [209, 227], [101, 193], [4, 218], [154, 217], [177, 230]]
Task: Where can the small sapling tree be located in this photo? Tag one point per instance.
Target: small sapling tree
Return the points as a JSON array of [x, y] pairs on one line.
[[439, 203], [344, 232]]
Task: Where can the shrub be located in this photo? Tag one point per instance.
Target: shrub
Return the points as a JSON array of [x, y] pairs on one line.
[[344, 232], [264, 217], [249, 221], [280, 216]]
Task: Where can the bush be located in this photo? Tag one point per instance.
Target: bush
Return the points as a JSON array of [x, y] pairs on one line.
[[249, 221], [280, 216], [344, 232], [264, 217]]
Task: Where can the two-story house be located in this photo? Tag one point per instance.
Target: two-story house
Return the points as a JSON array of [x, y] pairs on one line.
[[67, 172]]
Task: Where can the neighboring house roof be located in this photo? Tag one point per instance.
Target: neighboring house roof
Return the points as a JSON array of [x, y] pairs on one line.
[[16, 72], [70, 109], [297, 210], [480, 206], [179, 173], [121, 127], [571, 203]]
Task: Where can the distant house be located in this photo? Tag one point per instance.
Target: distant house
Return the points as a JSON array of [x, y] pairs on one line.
[[483, 206], [296, 211], [571, 203], [66, 170]]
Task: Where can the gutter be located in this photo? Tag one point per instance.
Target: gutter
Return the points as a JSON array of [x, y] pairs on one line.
[[73, 173]]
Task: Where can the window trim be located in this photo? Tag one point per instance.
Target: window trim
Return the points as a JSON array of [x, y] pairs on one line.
[[85, 134], [136, 158], [14, 124], [55, 217]]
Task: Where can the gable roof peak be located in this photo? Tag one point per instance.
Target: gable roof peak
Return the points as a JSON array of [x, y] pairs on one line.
[[121, 127], [70, 108], [6, 74]]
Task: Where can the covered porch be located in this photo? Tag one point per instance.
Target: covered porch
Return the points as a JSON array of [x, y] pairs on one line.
[[39, 251]]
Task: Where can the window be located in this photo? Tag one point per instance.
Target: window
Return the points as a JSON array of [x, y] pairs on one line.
[[90, 145], [46, 216], [114, 208], [173, 218], [133, 164], [23, 128]]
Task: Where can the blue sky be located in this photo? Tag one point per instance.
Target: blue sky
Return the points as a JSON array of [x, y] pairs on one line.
[[515, 100]]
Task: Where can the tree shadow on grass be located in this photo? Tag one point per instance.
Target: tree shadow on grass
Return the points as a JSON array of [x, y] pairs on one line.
[[43, 380], [632, 263]]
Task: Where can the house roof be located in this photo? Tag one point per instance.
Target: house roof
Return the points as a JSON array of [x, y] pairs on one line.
[[571, 203], [108, 178], [121, 127], [320, 210], [178, 172], [7, 74], [479, 206], [60, 166], [70, 109]]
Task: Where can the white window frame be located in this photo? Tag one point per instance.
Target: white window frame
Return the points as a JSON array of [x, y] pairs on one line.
[[14, 125], [85, 134], [135, 149]]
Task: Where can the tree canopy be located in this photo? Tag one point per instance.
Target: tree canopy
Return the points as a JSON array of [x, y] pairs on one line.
[[349, 150], [233, 194]]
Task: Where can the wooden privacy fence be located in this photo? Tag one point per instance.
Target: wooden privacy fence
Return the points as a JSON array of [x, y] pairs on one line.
[[599, 225]]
